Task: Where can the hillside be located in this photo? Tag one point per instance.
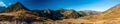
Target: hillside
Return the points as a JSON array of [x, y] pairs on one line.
[[18, 14], [109, 14], [15, 7]]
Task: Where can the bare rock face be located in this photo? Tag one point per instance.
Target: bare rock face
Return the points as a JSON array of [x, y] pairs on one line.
[[47, 11], [69, 13]]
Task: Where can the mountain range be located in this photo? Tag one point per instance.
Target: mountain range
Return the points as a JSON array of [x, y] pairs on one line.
[[18, 13]]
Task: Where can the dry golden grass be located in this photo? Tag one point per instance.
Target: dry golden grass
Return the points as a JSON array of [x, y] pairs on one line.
[[111, 16]]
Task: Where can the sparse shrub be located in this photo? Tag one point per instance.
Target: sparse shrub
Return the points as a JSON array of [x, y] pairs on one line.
[[8, 18], [41, 18], [64, 17], [20, 18]]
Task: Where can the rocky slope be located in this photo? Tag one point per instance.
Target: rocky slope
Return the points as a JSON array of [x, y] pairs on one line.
[[18, 13], [111, 16], [15, 7]]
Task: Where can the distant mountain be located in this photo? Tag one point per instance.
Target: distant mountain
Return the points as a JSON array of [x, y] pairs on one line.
[[57, 14], [90, 12]]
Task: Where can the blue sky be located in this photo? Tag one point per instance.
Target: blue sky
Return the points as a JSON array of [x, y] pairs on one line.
[[98, 5]]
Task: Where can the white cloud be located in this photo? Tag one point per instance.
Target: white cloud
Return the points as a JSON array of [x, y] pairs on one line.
[[2, 4]]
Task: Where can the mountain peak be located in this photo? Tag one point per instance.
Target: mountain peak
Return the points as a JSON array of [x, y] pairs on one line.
[[17, 6], [16, 3]]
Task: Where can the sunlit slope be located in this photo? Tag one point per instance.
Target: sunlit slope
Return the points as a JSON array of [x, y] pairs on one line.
[[111, 16]]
